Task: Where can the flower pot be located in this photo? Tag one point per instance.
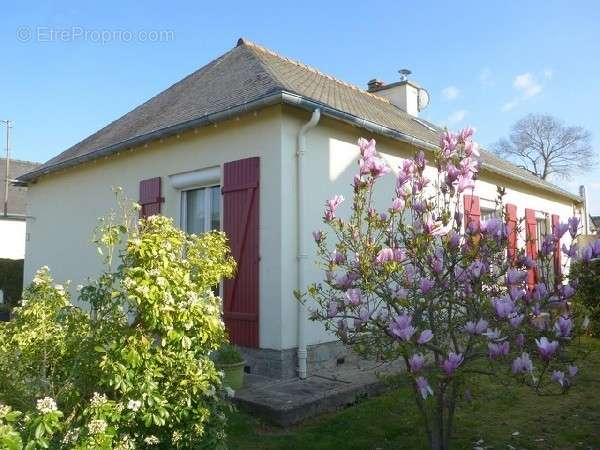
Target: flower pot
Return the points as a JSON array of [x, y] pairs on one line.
[[234, 374]]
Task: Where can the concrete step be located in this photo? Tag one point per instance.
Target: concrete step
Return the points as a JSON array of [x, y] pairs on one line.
[[290, 401]]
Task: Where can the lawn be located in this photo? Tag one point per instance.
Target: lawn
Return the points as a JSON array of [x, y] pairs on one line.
[[497, 417]]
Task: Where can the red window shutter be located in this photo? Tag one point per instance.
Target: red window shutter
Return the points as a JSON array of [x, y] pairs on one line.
[[511, 224], [472, 209], [531, 234], [557, 262], [241, 223], [150, 197]]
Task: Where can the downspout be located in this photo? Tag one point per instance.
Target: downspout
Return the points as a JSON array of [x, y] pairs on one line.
[[302, 254], [586, 216]]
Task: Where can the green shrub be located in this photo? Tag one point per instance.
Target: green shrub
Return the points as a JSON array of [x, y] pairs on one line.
[[130, 369], [227, 354], [587, 299]]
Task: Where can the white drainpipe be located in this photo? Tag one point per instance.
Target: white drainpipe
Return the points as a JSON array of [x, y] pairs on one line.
[[586, 215], [302, 254]]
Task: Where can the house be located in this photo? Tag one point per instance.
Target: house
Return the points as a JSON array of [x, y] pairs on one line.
[[254, 143], [13, 209]]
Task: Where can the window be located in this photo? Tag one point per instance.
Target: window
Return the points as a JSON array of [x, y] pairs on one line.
[[542, 228], [201, 209], [487, 214]]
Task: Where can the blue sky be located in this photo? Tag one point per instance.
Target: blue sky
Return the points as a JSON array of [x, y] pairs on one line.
[[486, 64]]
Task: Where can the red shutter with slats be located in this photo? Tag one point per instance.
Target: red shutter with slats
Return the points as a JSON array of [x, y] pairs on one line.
[[531, 247], [241, 224], [150, 197], [557, 262], [472, 209], [511, 224]]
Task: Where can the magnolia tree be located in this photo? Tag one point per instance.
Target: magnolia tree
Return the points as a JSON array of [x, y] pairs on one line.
[[415, 282]]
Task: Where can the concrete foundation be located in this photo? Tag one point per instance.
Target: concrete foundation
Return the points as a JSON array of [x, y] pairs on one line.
[[283, 364]]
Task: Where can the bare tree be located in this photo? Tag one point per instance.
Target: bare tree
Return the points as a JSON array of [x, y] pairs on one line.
[[545, 146]]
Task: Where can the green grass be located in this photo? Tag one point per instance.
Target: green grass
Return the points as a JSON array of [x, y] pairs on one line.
[[502, 417]]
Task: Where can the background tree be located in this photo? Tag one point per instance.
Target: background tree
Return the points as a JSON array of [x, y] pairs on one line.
[[546, 146]]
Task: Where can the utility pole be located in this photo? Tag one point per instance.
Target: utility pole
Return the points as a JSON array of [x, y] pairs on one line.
[[7, 171]]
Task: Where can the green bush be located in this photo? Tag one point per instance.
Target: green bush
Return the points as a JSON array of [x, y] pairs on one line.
[[130, 369], [587, 299], [11, 279]]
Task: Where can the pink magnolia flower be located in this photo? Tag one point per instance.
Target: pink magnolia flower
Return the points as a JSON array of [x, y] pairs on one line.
[[401, 327], [367, 147], [423, 387], [522, 364], [476, 328], [399, 255], [498, 349], [451, 363], [560, 378], [332, 309], [546, 348], [516, 320], [560, 230], [570, 251], [465, 135], [426, 285], [504, 307], [416, 362], [426, 336], [331, 206], [397, 204], [384, 255], [573, 370], [563, 327], [573, 226], [353, 297], [465, 182], [515, 276]]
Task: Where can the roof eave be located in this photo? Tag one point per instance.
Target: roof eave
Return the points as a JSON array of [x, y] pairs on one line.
[[277, 97]]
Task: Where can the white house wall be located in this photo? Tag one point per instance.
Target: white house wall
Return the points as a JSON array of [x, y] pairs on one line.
[[12, 238], [331, 163], [65, 206]]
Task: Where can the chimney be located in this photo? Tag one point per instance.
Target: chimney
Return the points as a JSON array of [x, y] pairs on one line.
[[404, 94]]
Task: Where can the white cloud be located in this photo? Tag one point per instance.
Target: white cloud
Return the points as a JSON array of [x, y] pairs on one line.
[[527, 85], [456, 116], [450, 93], [485, 77], [510, 105]]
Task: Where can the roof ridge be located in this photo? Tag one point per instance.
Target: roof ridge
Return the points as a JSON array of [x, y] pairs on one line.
[[242, 41]]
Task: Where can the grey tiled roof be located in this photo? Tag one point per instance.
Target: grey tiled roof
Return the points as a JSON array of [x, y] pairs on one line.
[[16, 194], [246, 74]]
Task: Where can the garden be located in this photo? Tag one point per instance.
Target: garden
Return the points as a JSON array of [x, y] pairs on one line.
[[495, 339]]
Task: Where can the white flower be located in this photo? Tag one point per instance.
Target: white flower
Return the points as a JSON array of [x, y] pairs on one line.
[[586, 323], [176, 437], [98, 399], [151, 440], [230, 392], [97, 426], [4, 410], [134, 405], [46, 405], [126, 443], [60, 288], [79, 287], [71, 436]]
